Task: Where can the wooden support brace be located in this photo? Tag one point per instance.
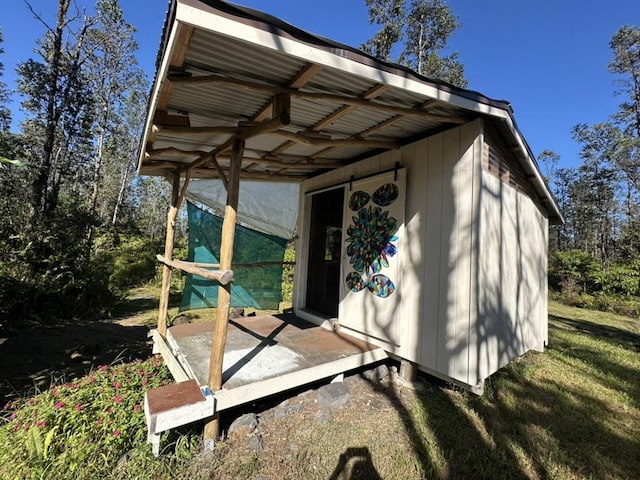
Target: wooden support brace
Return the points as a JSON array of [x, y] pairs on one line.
[[223, 277], [177, 199], [211, 429]]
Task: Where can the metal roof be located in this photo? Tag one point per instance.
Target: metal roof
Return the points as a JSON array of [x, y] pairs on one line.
[[223, 70]]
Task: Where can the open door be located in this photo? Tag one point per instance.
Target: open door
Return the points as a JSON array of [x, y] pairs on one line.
[[325, 248], [371, 261]]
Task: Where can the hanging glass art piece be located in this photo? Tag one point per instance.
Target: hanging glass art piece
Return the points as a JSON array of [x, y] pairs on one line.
[[370, 240]]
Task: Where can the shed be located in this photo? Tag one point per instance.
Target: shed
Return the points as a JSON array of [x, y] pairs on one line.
[[422, 216]]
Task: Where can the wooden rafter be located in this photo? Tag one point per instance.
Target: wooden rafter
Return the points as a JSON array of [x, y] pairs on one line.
[[179, 151], [215, 80], [304, 137], [303, 76], [160, 168], [297, 82], [282, 117], [335, 142], [333, 117], [374, 128], [370, 94], [185, 33]]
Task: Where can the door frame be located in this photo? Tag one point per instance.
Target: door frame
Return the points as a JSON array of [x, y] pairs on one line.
[[302, 261]]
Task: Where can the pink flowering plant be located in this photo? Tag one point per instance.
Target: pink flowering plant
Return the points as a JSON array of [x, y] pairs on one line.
[[95, 418]]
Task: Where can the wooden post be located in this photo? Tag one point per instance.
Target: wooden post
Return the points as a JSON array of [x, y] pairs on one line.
[[211, 429], [168, 253], [177, 196]]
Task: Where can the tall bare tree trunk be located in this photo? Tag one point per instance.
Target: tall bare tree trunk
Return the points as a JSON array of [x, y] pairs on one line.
[[43, 169]]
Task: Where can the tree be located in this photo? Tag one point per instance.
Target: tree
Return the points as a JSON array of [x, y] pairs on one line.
[[625, 45], [76, 94], [609, 177], [390, 14], [550, 160], [5, 114], [125, 149], [117, 84], [423, 29], [56, 99]]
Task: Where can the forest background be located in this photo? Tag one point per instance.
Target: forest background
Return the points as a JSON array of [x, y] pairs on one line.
[[78, 227]]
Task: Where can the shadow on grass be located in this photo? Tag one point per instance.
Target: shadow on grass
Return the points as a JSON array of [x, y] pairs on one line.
[[557, 426], [608, 333], [447, 442], [525, 429], [31, 360], [355, 463], [143, 303], [553, 415]]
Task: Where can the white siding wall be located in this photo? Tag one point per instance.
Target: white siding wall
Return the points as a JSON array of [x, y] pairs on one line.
[[441, 217], [512, 300], [474, 257]]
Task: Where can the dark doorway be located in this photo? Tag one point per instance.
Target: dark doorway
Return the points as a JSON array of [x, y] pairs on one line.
[[325, 250]]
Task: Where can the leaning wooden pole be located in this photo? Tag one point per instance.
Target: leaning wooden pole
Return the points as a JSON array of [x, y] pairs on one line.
[[211, 429], [177, 196]]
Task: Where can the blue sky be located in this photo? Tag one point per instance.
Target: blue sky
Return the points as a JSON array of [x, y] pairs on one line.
[[548, 58]]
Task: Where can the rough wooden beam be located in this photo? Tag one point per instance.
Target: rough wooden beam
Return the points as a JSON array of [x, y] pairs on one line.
[[304, 75], [301, 78], [209, 155], [161, 118], [159, 151], [223, 277], [370, 94], [208, 80], [182, 45], [243, 265], [211, 430], [338, 142], [374, 128], [282, 118], [178, 130], [177, 197]]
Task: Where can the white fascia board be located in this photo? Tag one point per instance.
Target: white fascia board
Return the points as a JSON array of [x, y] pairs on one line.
[[161, 75]]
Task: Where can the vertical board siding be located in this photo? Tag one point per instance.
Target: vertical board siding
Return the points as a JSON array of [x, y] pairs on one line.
[[413, 262], [460, 162], [473, 289], [512, 305], [432, 308]]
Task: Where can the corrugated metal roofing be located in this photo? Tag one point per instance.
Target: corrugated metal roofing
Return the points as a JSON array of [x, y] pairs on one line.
[[221, 66]]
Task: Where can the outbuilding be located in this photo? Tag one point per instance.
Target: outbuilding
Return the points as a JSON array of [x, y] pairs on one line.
[[420, 215]]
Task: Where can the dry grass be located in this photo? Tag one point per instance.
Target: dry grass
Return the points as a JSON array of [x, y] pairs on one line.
[[571, 413]]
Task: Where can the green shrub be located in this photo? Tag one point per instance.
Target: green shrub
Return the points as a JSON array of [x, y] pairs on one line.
[[575, 270], [621, 279], [287, 273], [82, 428], [134, 261]]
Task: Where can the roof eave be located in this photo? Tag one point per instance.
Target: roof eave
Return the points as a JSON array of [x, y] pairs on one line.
[[246, 25]]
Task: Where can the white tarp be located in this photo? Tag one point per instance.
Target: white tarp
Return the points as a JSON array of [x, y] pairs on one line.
[[269, 207]]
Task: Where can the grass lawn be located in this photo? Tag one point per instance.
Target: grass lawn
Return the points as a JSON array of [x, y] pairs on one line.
[[572, 412]]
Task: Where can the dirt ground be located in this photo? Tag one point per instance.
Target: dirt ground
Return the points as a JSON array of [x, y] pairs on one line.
[[33, 359], [288, 425]]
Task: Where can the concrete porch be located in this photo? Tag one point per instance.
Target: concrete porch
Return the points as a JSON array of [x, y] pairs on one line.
[[264, 355]]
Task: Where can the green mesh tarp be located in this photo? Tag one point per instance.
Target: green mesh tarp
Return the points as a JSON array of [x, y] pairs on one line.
[[258, 287]]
